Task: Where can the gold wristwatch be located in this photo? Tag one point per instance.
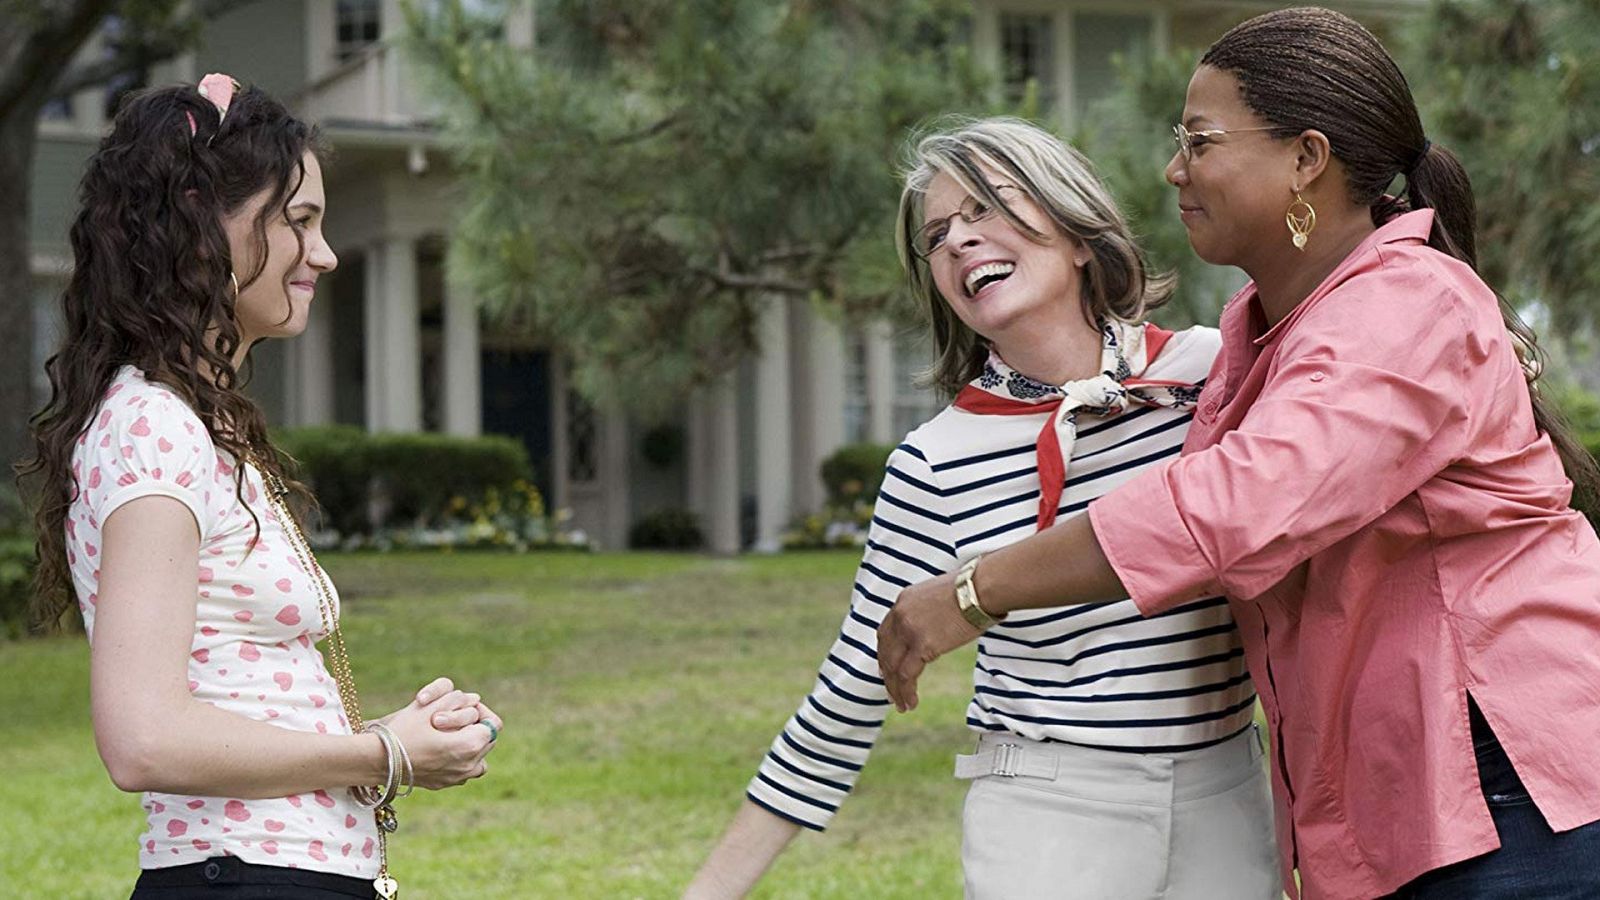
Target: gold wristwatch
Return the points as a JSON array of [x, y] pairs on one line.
[[967, 596]]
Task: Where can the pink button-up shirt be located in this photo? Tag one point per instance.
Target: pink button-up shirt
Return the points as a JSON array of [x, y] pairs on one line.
[[1365, 483]]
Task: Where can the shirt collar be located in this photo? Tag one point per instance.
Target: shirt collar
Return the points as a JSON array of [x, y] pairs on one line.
[[1414, 226], [1003, 381]]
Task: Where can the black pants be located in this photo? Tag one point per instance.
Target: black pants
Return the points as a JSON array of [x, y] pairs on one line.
[[232, 878], [1533, 861]]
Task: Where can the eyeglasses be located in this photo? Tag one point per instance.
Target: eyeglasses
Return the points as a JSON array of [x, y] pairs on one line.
[[930, 237], [1188, 140]]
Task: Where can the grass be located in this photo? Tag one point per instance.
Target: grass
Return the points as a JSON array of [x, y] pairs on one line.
[[639, 691]]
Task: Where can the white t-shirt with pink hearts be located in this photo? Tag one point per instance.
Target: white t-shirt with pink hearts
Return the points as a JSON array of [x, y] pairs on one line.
[[257, 618]]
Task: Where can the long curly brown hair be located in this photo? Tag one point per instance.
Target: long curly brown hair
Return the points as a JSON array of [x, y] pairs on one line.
[[152, 286]]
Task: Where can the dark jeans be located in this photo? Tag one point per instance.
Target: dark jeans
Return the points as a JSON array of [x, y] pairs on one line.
[[1532, 862], [232, 878]]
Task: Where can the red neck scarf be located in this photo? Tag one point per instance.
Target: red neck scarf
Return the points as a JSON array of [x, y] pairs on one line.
[[1125, 355]]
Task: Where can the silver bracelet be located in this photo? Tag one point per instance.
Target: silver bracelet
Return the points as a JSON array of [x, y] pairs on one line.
[[409, 776], [372, 797], [391, 745]]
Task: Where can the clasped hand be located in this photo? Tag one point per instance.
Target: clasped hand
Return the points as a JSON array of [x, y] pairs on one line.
[[447, 734]]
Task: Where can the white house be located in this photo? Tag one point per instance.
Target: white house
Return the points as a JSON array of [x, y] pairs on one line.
[[394, 346]]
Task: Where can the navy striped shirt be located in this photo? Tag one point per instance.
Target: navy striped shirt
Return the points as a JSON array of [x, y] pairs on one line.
[[1098, 676]]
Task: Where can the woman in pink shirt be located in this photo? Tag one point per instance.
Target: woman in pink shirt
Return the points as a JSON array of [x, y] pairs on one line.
[[162, 512], [1372, 482]]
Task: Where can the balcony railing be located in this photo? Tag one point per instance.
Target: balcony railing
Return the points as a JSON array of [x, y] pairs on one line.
[[377, 86]]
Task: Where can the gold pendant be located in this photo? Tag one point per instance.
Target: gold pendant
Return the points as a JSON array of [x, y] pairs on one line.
[[386, 887], [387, 820]]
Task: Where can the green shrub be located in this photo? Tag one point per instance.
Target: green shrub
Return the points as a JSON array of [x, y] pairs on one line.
[[334, 462], [1580, 406], [855, 473], [835, 526], [365, 482], [667, 529], [16, 563], [16, 583], [1592, 442], [419, 474]]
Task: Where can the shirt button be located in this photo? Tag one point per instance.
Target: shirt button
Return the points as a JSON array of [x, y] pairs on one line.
[[1317, 376]]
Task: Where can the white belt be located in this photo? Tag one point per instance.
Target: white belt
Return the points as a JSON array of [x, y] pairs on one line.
[[1009, 761]]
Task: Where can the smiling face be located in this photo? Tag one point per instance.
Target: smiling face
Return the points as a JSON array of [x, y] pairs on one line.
[[1233, 193], [277, 302], [994, 276]]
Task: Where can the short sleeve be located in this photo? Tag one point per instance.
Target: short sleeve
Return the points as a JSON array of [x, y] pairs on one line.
[[144, 443]]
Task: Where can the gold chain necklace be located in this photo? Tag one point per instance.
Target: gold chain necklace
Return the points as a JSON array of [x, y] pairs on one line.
[[338, 662]]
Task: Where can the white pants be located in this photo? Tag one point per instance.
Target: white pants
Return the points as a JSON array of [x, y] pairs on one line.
[[1080, 824]]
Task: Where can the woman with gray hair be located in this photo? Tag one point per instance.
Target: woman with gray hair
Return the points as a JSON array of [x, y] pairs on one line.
[[1116, 755]]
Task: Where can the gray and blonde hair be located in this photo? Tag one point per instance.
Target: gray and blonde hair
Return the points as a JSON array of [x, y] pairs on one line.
[[1117, 281]]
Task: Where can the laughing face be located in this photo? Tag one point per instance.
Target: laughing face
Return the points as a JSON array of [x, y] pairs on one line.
[[995, 277]]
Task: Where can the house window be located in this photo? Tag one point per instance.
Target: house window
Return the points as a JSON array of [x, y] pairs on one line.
[[583, 439], [856, 411], [1027, 56], [1098, 41], [912, 405], [359, 24], [56, 109]]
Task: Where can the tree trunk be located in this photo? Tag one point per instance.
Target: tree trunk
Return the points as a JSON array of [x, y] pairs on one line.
[[17, 143], [37, 42]]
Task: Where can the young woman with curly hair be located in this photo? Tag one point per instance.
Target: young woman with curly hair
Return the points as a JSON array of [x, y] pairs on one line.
[[165, 511]]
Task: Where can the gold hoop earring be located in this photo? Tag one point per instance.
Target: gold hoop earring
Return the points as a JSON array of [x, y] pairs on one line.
[[235, 279], [1300, 225]]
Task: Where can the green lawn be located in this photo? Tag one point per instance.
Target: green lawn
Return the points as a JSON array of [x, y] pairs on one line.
[[639, 691]]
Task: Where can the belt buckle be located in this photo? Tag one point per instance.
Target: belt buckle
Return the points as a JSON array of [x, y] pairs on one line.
[[1006, 758]]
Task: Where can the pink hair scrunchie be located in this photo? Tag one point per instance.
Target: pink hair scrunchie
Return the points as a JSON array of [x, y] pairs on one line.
[[219, 89]]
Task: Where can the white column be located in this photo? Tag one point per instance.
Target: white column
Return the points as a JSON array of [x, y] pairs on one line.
[[394, 342], [722, 464], [519, 25], [391, 26], [986, 35], [880, 383], [463, 393], [819, 392], [774, 412], [1062, 36], [1161, 33], [321, 30], [311, 390], [183, 68]]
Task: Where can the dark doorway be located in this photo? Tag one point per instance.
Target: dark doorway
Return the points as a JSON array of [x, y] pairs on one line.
[[516, 402]]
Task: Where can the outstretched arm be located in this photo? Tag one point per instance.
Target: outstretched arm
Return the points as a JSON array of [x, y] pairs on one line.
[[753, 840]]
